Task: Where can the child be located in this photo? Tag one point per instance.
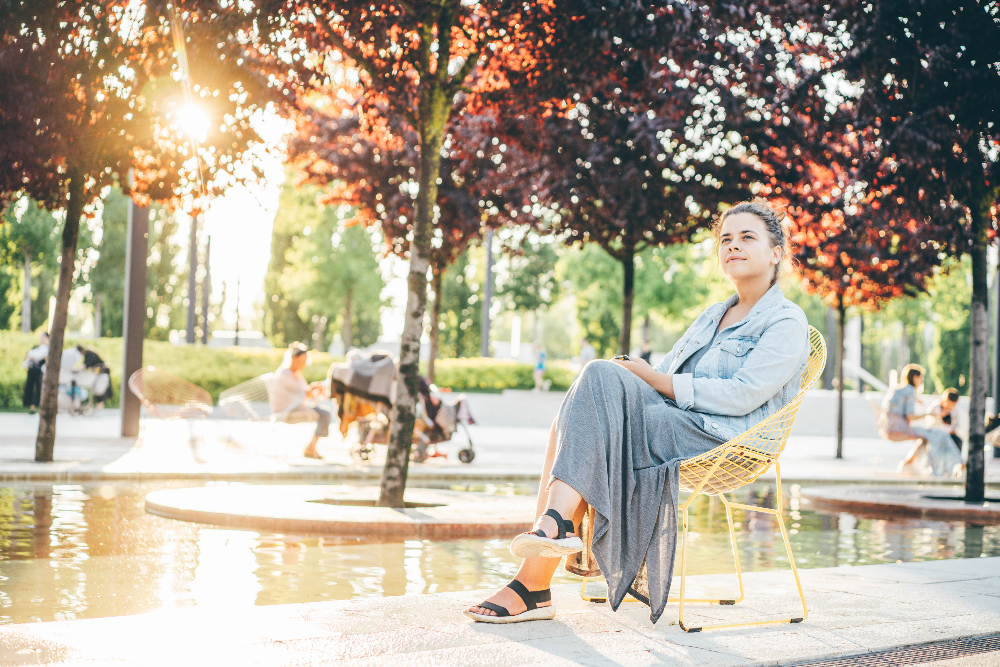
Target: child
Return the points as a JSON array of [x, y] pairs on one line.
[[944, 416]]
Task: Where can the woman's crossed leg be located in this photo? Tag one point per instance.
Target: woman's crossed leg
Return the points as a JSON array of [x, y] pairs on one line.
[[536, 573]]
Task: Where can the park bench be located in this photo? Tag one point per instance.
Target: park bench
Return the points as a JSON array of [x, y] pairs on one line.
[[717, 472]]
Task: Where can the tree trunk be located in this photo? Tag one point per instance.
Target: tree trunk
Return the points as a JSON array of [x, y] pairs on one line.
[[841, 320], [975, 475], [628, 296], [26, 298], [437, 277], [346, 333], [434, 108], [98, 324], [47, 411], [831, 327]]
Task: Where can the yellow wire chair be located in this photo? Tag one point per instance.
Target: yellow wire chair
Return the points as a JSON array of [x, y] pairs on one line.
[[716, 472]]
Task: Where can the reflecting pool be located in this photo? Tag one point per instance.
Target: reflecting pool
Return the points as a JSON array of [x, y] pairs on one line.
[[84, 551]]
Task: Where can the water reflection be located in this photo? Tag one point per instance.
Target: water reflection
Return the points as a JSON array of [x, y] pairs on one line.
[[70, 551]]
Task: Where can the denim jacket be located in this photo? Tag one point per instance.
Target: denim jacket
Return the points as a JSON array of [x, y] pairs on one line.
[[753, 368]]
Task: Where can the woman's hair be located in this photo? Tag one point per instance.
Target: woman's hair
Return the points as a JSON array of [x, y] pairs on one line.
[[772, 219], [911, 372]]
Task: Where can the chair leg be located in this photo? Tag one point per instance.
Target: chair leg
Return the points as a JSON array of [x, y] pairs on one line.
[[788, 550], [589, 598], [736, 560]]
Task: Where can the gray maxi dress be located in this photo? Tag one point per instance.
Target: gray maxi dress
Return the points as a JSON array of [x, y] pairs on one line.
[[632, 441]]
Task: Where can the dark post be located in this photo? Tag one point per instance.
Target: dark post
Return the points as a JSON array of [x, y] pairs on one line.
[[206, 292], [192, 278], [134, 321], [996, 354], [487, 293]]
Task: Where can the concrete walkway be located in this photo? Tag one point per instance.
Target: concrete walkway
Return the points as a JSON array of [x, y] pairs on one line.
[[852, 611], [510, 439]]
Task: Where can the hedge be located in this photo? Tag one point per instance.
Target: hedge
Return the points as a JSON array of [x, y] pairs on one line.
[[217, 369]]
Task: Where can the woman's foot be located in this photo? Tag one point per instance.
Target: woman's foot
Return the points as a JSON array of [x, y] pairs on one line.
[[552, 537], [311, 453], [514, 603]]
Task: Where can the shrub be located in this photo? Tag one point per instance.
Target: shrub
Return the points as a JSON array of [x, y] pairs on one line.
[[495, 375], [216, 369]]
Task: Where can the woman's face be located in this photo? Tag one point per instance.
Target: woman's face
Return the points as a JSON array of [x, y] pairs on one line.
[[745, 251]]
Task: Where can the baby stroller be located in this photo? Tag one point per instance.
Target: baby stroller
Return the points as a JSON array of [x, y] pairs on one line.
[[364, 389]]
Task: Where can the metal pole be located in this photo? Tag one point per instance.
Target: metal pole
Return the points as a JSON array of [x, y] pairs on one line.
[[134, 322], [206, 292], [192, 278], [487, 294]]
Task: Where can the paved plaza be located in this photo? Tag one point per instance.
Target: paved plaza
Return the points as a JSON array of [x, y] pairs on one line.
[[510, 437], [852, 611]]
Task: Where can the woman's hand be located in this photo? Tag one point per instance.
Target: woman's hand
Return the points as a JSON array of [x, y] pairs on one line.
[[637, 366], [661, 382]]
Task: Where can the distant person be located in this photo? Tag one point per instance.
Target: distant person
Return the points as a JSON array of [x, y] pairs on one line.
[[540, 364], [291, 395], [934, 453], [587, 353], [944, 415], [647, 352], [92, 361], [34, 363], [69, 365], [992, 427]]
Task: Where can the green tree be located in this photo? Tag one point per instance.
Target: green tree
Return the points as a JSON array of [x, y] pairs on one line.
[[107, 277], [28, 239], [282, 323], [332, 273], [669, 281], [164, 308], [592, 275], [460, 319]]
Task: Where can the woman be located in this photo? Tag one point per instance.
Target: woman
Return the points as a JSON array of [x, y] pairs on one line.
[[291, 395], [934, 453], [625, 427]]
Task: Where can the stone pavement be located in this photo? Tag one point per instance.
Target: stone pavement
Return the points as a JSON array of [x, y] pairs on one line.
[[510, 438], [852, 611]]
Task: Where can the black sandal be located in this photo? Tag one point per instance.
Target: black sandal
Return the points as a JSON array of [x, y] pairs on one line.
[[536, 545], [530, 599]]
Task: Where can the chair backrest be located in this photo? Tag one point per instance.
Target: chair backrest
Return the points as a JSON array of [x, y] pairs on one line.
[[248, 400], [168, 396], [758, 447]]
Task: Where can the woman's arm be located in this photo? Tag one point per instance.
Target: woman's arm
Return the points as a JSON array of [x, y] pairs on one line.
[[661, 382], [775, 359]]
